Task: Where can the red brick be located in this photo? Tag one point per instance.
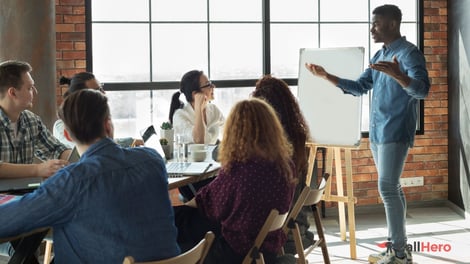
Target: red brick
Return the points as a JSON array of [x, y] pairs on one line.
[[64, 28], [74, 18], [74, 55]]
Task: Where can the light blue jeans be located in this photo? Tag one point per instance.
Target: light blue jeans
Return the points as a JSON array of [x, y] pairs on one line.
[[389, 160]]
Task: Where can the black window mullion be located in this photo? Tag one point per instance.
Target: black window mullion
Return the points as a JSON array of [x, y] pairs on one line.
[[266, 31]]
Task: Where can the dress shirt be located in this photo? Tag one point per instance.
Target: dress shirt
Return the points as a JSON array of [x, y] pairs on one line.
[[183, 123], [112, 203], [241, 200], [393, 111], [33, 139]]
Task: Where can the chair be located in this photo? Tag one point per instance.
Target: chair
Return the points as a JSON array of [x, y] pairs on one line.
[[196, 255], [308, 197], [48, 249], [274, 221]]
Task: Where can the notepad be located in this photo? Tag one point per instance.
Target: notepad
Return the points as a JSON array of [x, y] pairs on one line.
[[176, 169]]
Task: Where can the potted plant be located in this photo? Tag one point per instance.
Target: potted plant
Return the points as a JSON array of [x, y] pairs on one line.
[[167, 132], [166, 148]]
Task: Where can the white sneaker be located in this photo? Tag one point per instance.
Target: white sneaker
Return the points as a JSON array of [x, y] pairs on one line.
[[374, 258]]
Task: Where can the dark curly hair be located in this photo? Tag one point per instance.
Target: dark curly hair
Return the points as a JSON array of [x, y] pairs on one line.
[[277, 93]]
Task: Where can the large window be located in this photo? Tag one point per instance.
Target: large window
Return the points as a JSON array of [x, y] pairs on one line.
[[141, 48]]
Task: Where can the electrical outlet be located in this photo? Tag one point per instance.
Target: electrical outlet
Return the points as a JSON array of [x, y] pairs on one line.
[[411, 182]]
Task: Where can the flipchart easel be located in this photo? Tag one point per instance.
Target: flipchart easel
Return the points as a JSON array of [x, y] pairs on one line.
[[334, 153]]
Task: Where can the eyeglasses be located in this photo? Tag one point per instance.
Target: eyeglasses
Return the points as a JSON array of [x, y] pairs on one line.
[[208, 84]]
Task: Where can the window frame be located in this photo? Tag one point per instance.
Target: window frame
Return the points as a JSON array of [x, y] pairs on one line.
[[266, 64]]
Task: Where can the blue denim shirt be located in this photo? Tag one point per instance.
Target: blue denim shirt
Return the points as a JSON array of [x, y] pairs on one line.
[[393, 111], [113, 203]]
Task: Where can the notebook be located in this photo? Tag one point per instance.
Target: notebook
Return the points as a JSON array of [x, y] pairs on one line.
[[177, 169]]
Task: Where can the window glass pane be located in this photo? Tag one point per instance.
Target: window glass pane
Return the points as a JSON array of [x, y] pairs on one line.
[[240, 10], [345, 35], [133, 111], [408, 8], [410, 31], [341, 10], [178, 48], [117, 56], [118, 10], [161, 100], [179, 10], [226, 98], [294, 10], [129, 116], [235, 51], [286, 41]]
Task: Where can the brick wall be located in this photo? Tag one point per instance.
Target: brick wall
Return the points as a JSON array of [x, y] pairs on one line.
[[70, 40], [429, 156]]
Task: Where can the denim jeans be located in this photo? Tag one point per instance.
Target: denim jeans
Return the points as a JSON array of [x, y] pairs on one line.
[[389, 160]]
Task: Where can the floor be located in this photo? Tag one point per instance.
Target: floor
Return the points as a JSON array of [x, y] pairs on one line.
[[426, 225], [437, 224]]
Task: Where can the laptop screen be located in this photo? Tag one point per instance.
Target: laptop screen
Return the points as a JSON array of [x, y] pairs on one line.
[[74, 156], [154, 142]]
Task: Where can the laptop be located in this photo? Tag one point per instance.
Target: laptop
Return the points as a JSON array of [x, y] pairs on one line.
[[21, 185], [176, 169]]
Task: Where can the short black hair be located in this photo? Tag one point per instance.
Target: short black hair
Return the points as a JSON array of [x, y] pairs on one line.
[[389, 11]]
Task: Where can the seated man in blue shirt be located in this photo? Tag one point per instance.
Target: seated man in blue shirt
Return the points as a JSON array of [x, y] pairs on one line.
[[398, 75], [112, 203]]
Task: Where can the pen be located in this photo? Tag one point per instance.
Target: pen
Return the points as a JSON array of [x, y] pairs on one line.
[[207, 168]]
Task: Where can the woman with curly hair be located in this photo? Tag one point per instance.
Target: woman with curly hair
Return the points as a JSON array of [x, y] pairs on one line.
[[257, 175], [277, 93]]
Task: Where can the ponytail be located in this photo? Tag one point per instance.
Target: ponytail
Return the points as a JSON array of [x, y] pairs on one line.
[[175, 105]]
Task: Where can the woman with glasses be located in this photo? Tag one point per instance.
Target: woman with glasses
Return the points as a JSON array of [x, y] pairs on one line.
[[80, 81], [198, 121]]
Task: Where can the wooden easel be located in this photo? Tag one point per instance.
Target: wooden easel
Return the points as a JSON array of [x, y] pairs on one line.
[[339, 197]]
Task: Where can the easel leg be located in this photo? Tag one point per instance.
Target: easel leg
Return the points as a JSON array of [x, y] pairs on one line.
[[340, 193], [351, 204]]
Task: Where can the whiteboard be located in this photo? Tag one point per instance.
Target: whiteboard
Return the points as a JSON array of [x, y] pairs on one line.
[[334, 118]]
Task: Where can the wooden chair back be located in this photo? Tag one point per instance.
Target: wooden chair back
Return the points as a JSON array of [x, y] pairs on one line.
[[273, 222], [308, 197], [196, 255]]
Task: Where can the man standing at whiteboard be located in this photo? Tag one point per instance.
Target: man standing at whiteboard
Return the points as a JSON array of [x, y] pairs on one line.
[[398, 75]]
